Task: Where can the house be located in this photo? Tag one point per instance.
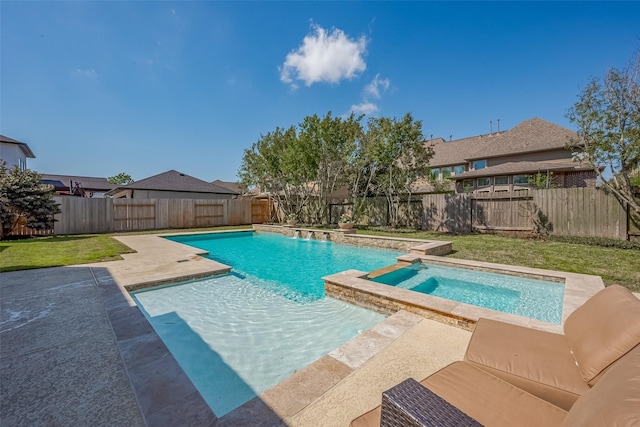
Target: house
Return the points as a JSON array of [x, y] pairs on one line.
[[505, 161], [233, 186], [83, 186], [171, 185], [14, 153]]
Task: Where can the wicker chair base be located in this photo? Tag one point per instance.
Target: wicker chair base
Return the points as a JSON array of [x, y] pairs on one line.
[[409, 404]]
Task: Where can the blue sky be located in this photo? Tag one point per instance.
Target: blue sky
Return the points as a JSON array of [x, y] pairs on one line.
[[98, 88]]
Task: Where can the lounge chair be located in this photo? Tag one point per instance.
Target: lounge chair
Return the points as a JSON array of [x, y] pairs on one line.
[[518, 376]]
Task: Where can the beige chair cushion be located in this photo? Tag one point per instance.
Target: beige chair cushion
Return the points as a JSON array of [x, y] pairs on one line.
[[536, 361], [490, 400], [368, 419], [603, 329], [614, 400], [484, 397]]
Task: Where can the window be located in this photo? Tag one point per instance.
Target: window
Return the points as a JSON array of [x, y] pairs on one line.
[[479, 164], [467, 185], [446, 172], [457, 170], [501, 180], [484, 182], [521, 179], [435, 174]]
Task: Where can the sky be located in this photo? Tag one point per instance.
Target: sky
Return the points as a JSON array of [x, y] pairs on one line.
[[143, 87]]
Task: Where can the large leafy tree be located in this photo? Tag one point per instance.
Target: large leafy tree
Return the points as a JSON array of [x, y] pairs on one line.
[[302, 167], [394, 159], [329, 142], [607, 115], [120, 179], [274, 165], [24, 198]]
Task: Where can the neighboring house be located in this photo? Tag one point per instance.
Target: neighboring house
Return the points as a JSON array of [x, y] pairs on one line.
[[83, 186], [233, 186], [171, 185], [15, 153], [504, 161]]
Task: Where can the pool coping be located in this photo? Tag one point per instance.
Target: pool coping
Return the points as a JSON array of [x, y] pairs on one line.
[[290, 397]]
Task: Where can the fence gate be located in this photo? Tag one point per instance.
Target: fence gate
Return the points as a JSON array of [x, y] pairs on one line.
[[260, 211]]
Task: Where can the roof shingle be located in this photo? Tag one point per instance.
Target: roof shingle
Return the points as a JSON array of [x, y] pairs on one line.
[[529, 136], [176, 181]]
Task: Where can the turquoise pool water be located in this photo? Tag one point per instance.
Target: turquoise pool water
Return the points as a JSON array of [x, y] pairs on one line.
[[292, 267], [237, 335], [536, 299]]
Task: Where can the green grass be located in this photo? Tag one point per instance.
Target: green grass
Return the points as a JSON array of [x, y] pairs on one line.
[[56, 251], [615, 266]]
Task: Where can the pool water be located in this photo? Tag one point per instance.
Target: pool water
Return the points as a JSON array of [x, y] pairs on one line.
[[536, 299], [237, 335], [291, 267]]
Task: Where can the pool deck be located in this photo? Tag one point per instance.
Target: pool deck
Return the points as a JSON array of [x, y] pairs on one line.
[[75, 350]]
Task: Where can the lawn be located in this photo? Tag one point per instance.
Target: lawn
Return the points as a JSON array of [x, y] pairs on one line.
[[615, 266], [55, 251]]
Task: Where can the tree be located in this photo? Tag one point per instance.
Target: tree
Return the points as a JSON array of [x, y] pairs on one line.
[[329, 142], [608, 119], [540, 180], [396, 159], [24, 198], [301, 167], [120, 179], [275, 165]]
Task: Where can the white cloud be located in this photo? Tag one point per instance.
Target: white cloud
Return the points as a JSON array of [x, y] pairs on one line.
[[371, 91], [364, 108], [377, 85], [324, 57]]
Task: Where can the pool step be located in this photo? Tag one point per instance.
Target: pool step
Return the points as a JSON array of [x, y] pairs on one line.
[[387, 269]]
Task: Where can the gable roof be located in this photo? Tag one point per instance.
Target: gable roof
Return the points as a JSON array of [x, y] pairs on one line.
[[232, 186], [447, 153], [176, 181], [87, 182], [23, 146], [528, 137]]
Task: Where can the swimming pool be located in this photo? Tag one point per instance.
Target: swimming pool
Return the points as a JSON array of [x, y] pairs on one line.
[[239, 334], [532, 298]]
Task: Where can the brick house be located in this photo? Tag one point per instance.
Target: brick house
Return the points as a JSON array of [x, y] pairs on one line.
[[505, 161]]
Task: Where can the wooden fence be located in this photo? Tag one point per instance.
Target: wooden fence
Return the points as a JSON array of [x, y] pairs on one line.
[[83, 215], [582, 212]]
